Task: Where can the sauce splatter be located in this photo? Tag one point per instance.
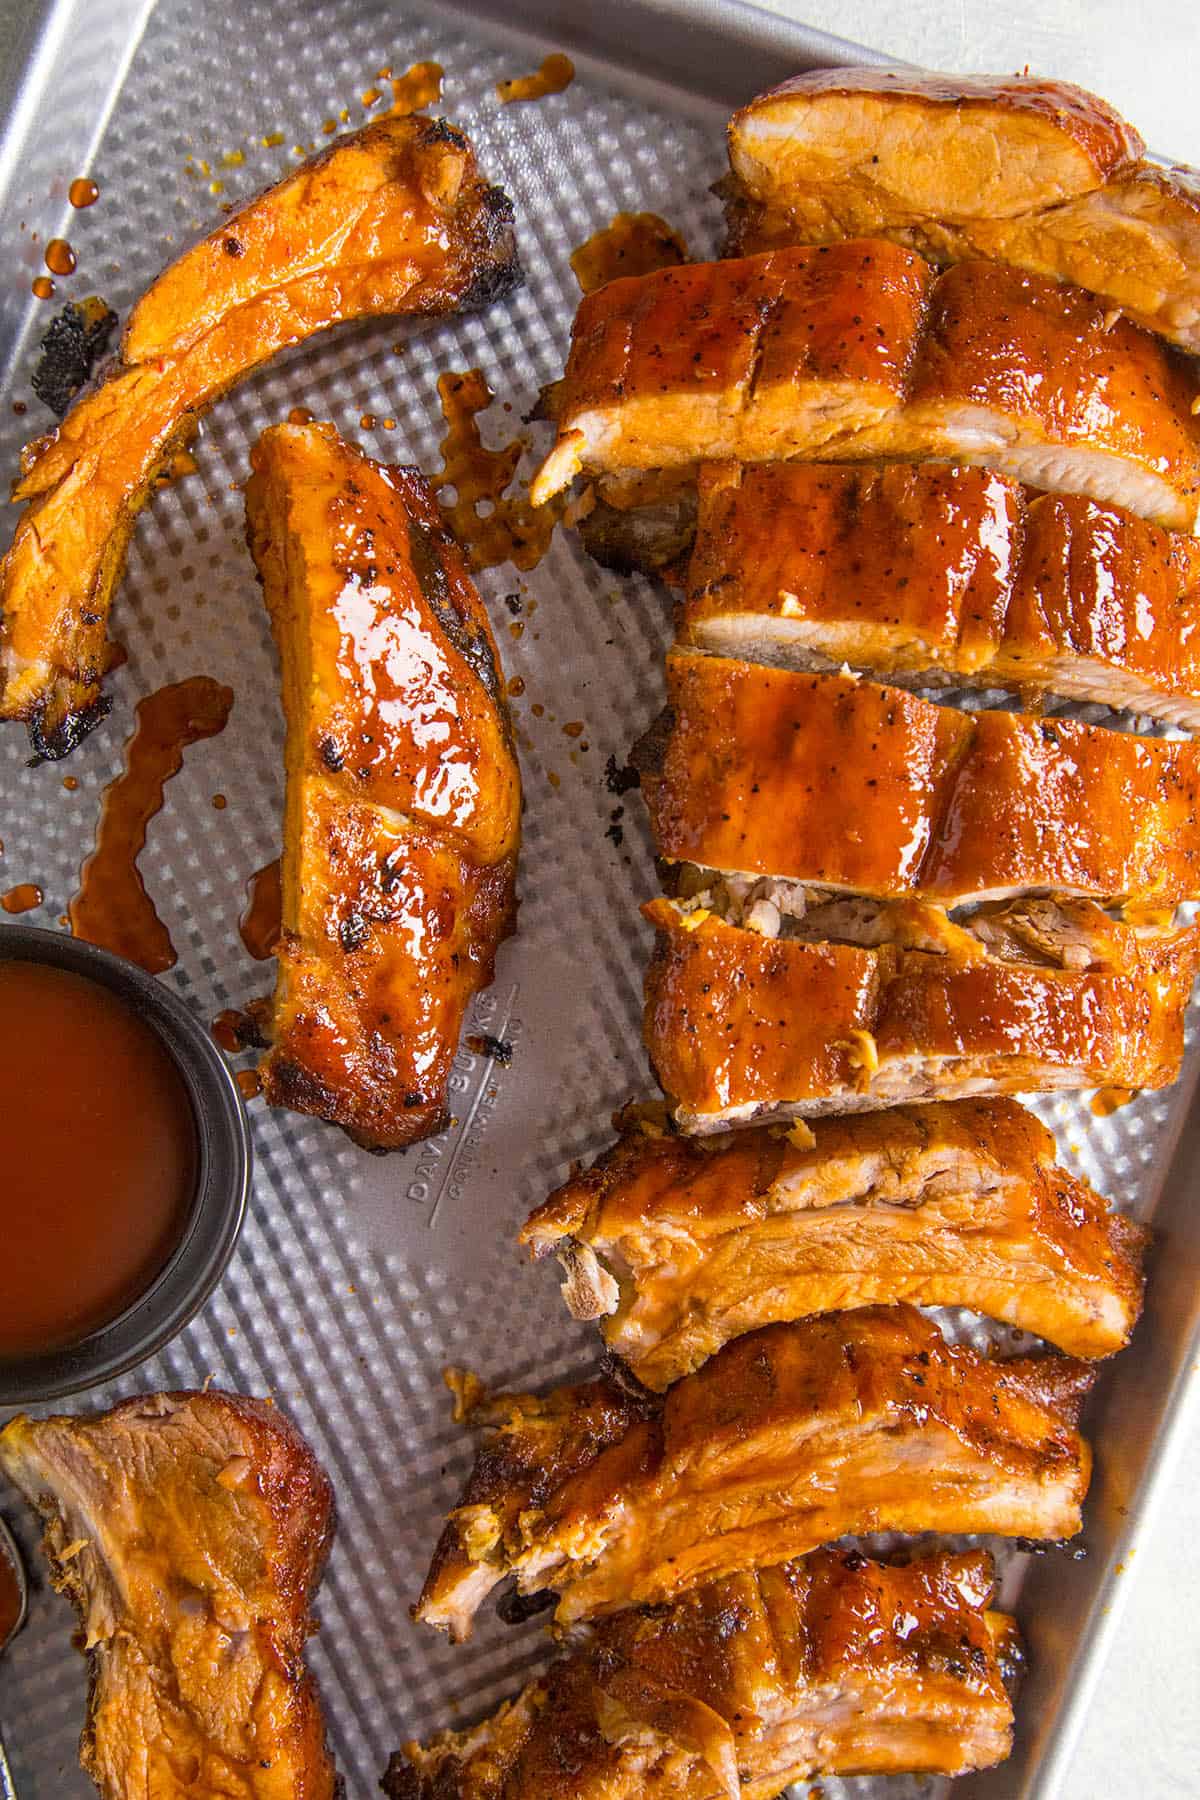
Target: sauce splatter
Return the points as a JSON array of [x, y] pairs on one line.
[[233, 1030], [630, 244], [555, 74], [249, 1083], [23, 898], [419, 86], [506, 529], [262, 920], [112, 907], [219, 802], [1108, 1100], [181, 464], [60, 258], [42, 287], [71, 783], [300, 415], [83, 192]]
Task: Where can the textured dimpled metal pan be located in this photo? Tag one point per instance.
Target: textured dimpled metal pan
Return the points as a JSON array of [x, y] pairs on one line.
[[358, 1278]]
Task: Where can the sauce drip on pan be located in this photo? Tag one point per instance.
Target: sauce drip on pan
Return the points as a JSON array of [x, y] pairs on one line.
[[233, 1030], [112, 906], [22, 898], [630, 244], [60, 258], [42, 287], [83, 192], [262, 921], [507, 530], [249, 1083], [97, 1198], [1108, 1100], [555, 74], [419, 86]]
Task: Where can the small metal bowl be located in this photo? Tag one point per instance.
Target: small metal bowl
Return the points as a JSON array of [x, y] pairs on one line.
[[199, 1259]]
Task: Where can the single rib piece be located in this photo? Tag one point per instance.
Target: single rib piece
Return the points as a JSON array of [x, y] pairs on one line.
[[402, 812], [678, 1246], [1033, 173], [788, 1438], [393, 219], [938, 576], [829, 1665], [856, 350], [834, 781], [190, 1531], [870, 1007]]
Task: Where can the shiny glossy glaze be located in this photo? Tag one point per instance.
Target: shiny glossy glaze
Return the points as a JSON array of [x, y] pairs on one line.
[[630, 244], [857, 349], [83, 192], [911, 570], [22, 898], [403, 795], [734, 1019], [417, 232], [419, 86], [112, 906], [761, 1666], [101, 1162], [261, 920], [945, 1204], [833, 780]]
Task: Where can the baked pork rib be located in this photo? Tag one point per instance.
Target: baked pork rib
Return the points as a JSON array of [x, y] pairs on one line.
[[402, 811], [857, 350], [677, 1246], [393, 219], [828, 1665], [934, 576], [834, 781], [190, 1531], [787, 1439], [1034, 173], [852, 1008]]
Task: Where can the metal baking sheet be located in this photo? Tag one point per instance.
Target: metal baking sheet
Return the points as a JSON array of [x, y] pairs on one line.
[[358, 1278]]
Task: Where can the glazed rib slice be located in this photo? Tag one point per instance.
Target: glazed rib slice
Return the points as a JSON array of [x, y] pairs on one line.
[[827, 1665], [1034, 173], [855, 1007], [402, 812], [393, 219], [833, 781], [788, 1438], [190, 1531], [857, 350], [678, 1246], [935, 576]]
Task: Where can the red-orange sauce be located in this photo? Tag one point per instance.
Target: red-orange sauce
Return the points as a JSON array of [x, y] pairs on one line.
[[60, 258], [83, 192], [1108, 1100], [262, 920], [630, 244], [508, 530], [98, 1187], [22, 898], [42, 287], [112, 906], [233, 1030], [556, 73], [249, 1083], [420, 85], [10, 1596]]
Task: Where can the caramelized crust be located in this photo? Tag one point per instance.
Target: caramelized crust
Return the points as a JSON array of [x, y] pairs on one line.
[[402, 814], [190, 1531], [935, 576], [740, 1026], [831, 780], [1036, 174], [824, 1666], [788, 1438], [853, 350], [393, 219], [678, 1245]]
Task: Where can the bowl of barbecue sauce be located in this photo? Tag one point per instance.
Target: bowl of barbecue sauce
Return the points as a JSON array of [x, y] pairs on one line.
[[124, 1169]]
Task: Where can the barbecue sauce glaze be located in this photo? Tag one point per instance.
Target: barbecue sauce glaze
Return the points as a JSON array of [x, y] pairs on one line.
[[100, 1157]]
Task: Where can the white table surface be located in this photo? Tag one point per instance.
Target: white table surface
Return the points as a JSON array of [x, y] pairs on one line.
[[1142, 1737]]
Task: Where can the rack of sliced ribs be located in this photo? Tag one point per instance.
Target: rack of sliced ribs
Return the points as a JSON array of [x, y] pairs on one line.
[[920, 455]]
